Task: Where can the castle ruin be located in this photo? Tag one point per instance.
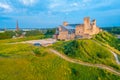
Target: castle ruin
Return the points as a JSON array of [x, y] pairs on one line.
[[77, 31]]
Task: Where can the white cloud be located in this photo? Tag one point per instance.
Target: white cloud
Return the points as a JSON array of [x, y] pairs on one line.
[[101, 3], [86, 1], [66, 5], [69, 6], [61, 6], [28, 2], [5, 7], [75, 4]]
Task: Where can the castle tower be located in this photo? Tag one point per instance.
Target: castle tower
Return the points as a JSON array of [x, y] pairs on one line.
[[94, 22], [17, 27], [86, 23], [65, 23], [94, 26]]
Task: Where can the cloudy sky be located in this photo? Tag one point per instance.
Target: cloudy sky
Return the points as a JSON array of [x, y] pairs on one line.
[[50, 13]]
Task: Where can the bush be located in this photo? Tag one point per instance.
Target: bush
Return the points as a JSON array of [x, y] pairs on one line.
[[74, 71], [99, 55], [50, 32], [34, 33], [71, 48], [7, 35], [37, 51]]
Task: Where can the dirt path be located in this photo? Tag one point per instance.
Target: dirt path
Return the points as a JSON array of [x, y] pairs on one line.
[[116, 57], [101, 66], [114, 54]]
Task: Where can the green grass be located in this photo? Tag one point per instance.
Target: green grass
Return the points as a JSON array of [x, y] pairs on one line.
[[22, 63], [109, 39], [22, 39], [118, 57], [28, 62], [88, 51]]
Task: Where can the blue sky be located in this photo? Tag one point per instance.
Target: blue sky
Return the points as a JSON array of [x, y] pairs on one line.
[[50, 13]]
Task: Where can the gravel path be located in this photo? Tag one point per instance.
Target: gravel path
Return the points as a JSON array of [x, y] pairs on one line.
[[116, 57], [101, 66]]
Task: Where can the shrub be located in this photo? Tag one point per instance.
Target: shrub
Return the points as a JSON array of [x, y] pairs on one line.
[[34, 33], [37, 51], [74, 71], [99, 55], [7, 35], [71, 48]]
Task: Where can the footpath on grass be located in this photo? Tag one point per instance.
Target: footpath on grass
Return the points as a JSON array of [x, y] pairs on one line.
[[116, 57], [114, 54], [101, 66]]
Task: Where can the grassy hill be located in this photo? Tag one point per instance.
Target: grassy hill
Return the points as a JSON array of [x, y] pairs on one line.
[[24, 61], [113, 30], [28, 62], [88, 51], [109, 39]]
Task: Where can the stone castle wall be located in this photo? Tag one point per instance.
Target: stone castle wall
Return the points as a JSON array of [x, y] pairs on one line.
[[85, 30], [63, 35], [79, 30]]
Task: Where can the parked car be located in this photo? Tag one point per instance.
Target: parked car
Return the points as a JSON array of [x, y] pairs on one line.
[[37, 44]]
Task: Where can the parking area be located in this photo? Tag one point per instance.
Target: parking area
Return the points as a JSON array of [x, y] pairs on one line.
[[42, 42]]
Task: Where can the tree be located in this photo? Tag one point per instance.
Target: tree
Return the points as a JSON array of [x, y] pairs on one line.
[[7, 35], [34, 33], [71, 48]]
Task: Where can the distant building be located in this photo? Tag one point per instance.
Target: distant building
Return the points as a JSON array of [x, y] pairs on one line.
[[118, 36], [75, 31]]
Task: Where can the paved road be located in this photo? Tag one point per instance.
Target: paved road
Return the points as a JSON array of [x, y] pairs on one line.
[[101, 66]]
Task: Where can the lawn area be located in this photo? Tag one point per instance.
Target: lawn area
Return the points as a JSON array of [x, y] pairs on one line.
[[12, 40], [87, 51], [109, 39], [27, 62]]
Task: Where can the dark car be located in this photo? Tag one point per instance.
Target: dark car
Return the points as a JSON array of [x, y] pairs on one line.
[[37, 44]]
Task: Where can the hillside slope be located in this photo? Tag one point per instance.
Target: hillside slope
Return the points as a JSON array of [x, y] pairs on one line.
[[88, 51], [24, 61], [108, 38]]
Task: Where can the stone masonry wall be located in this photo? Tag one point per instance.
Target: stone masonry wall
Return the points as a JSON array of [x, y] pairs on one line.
[[63, 35]]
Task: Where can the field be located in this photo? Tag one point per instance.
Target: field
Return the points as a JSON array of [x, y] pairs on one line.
[[109, 39], [22, 61], [28, 62], [87, 51]]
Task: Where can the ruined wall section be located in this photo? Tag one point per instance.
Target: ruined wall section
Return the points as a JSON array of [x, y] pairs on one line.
[[79, 30], [63, 35]]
